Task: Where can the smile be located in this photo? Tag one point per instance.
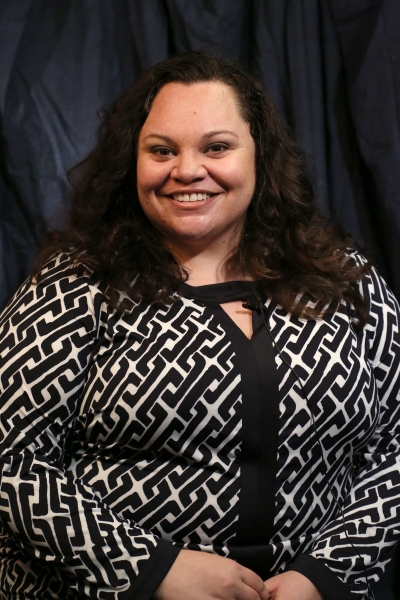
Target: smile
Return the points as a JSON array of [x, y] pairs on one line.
[[191, 197]]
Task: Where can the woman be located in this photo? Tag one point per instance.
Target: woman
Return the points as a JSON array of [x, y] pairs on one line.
[[196, 366]]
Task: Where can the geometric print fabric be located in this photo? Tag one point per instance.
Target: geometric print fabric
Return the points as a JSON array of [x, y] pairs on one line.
[[117, 431]]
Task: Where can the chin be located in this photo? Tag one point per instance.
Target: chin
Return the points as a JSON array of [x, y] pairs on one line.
[[189, 234]]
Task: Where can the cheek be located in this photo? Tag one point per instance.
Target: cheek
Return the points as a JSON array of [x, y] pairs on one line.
[[241, 173], [150, 175], [242, 180], [143, 177], [249, 178]]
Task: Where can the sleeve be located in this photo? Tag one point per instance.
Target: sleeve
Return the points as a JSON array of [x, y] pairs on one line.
[[57, 537], [340, 564]]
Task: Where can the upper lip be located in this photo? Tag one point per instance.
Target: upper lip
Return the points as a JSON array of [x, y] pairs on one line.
[[176, 192]]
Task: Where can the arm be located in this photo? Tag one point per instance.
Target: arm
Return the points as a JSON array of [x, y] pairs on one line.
[[371, 509], [48, 516]]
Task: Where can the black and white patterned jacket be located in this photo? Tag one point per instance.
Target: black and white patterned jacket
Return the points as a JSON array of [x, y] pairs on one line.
[[126, 438]]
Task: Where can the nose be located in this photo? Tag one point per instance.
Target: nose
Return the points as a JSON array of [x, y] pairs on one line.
[[189, 166]]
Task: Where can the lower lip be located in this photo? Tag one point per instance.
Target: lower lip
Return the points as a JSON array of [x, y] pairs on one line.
[[192, 205]]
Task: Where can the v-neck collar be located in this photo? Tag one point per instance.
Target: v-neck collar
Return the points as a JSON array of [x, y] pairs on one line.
[[255, 360], [219, 293]]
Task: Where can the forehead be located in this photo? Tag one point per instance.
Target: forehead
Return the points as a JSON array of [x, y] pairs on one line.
[[203, 105]]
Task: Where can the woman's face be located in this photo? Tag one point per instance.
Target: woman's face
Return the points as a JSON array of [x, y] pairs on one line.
[[196, 165]]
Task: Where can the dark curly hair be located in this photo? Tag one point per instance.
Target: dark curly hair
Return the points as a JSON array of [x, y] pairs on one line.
[[299, 256]]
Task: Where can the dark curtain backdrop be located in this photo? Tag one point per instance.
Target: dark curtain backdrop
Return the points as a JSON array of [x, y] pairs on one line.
[[332, 67]]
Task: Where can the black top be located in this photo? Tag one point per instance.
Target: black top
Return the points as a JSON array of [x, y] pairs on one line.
[[260, 401]]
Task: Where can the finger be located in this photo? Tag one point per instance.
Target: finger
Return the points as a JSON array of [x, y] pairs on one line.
[[265, 594], [272, 583], [249, 593], [253, 580]]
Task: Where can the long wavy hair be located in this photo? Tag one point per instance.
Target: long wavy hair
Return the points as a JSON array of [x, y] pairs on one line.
[[299, 256]]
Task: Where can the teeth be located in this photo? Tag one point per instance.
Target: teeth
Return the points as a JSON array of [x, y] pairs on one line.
[[191, 197]]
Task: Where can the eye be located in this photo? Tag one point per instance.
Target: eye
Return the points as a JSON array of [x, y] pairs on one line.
[[162, 151], [217, 148]]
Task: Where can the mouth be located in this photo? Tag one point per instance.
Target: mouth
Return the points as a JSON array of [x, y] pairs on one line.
[[193, 197]]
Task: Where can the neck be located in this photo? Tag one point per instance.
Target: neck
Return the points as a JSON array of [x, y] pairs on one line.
[[208, 264]]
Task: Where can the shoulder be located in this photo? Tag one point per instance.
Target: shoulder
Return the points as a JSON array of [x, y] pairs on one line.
[[372, 285], [60, 288], [382, 330], [354, 255]]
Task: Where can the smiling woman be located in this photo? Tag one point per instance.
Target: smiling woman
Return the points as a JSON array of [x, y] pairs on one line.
[[196, 174], [195, 367]]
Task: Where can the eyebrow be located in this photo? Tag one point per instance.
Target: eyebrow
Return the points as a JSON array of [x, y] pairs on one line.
[[205, 136], [218, 132]]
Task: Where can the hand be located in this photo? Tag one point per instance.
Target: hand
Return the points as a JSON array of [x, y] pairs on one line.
[[203, 576], [292, 586]]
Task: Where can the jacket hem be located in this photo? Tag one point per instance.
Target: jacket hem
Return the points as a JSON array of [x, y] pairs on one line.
[[326, 582], [152, 573]]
